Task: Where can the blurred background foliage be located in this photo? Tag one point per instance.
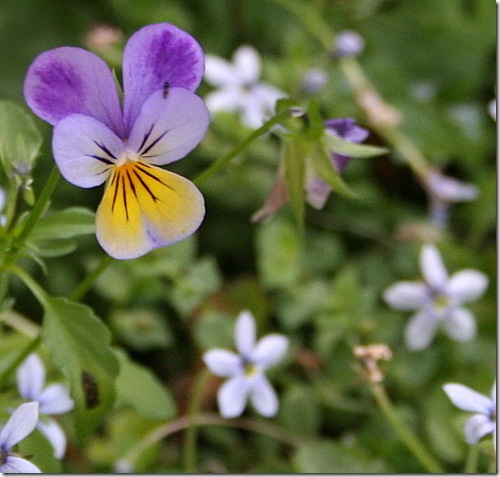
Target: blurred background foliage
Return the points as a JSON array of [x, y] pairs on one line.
[[433, 61]]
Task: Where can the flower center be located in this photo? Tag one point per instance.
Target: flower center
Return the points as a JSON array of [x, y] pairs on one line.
[[127, 158], [441, 302], [250, 370], [3, 456]]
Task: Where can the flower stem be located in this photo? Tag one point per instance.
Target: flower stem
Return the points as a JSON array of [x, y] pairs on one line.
[[411, 442], [82, 289], [33, 286], [471, 462], [222, 161], [192, 430], [31, 346]]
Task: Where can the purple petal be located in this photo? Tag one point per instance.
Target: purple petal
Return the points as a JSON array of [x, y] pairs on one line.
[[406, 295], [420, 330], [467, 285], [232, 396], [244, 333], [269, 350], [85, 149], [477, 427], [31, 377], [17, 465], [317, 190], [70, 80], [263, 397], [55, 399], [154, 55], [21, 424], [55, 435], [433, 268], [460, 325], [222, 362], [467, 399], [169, 128]]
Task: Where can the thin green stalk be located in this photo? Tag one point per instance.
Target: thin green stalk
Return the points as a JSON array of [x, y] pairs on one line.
[[472, 457], [221, 162], [192, 430], [30, 347], [33, 286], [82, 289], [411, 441]]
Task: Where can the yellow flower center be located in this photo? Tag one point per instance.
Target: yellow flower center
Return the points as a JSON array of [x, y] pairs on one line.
[[251, 370], [441, 302]]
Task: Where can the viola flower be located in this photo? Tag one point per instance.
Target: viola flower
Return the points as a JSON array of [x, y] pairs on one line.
[[97, 140], [53, 399], [438, 300], [239, 87], [246, 369], [20, 425], [484, 421]]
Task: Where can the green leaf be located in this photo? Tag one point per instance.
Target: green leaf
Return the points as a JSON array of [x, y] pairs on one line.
[[298, 401], [80, 347], [138, 387], [20, 140], [316, 127], [351, 149], [293, 157], [68, 223]]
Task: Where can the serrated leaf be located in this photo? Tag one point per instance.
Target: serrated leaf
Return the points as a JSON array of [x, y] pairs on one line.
[[293, 157], [79, 346], [66, 224], [350, 149]]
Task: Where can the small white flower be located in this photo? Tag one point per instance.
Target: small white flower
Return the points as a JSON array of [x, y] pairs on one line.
[[20, 425], [437, 300], [239, 88], [481, 423], [492, 109], [53, 399], [245, 370], [348, 43]]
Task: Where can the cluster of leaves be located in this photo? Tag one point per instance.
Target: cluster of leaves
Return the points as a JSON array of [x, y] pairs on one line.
[[131, 353]]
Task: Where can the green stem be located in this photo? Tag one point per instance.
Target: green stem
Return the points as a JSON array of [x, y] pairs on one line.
[[33, 286], [31, 346], [81, 290], [471, 462], [192, 430], [411, 442], [221, 162]]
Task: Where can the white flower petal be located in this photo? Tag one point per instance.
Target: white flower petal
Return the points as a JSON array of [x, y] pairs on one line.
[[226, 100], [222, 362], [21, 424], [247, 64], [460, 325], [16, 465], [421, 330], [432, 267], [448, 189], [477, 427], [55, 435], [219, 72], [267, 95], [232, 396], [467, 285], [269, 350], [467, 399], [244, 333], [263, 397], [406, 295], [31, 377], [55, 399]]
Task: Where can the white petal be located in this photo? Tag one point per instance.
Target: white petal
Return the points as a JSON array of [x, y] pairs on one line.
[[420, 330], [269, 350], [167, 128], [467, 399], [219, 72], [253, 114], [232, 396], [467, 285], [226, 100], [244, 333], [449, 189], [222, 362], [55, 399], [267, 95], [16, 465], [477, 427], [55, 435], [460, 325], [406, 295], [263, 397], [31, 377], [21, 424], [432, 267], [247, 63]]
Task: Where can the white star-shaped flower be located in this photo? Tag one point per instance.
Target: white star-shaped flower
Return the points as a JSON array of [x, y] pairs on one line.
[[246, 369], [481, 423], [239, 87], [438, 300]]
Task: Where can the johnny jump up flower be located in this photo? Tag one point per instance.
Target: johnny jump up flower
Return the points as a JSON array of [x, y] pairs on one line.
[[239, 88], [52, 399], [438, 300], [98, 140], [484, 421], [245, 370], [20, 425]]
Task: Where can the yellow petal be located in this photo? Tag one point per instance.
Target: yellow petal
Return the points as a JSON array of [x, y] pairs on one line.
[[145, 207]]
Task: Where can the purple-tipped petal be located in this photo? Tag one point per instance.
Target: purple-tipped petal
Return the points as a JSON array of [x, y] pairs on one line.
[[17, 465], [169, 128], [31, 377], [154, 55], [85, 150], [69, 80], [21, 424]]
